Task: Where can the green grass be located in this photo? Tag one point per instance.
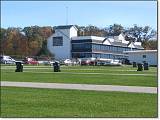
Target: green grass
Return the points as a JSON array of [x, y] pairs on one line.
[[75, 74], [31, 102], [108, 75]]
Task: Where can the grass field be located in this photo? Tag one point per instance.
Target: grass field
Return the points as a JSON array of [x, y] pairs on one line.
[[30, 102], [124, 75]]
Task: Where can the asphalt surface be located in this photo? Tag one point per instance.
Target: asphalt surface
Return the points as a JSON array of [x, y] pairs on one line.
[[135, 89]]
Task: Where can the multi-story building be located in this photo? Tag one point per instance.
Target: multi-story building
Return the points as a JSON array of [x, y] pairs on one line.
[[65, 43]]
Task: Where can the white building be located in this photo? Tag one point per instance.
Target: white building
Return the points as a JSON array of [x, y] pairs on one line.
[[141, 56], [65, 44], [60, 42]]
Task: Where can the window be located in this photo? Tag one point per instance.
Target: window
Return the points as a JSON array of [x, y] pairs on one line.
[[144, 56], [57, 41], [87, 46], [109, 47]]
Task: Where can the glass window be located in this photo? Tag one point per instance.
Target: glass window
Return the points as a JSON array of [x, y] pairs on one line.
[[57, 41], [109, 48], [87, 46], [109, 56], [105, 47], [114, 49], [144, 56]]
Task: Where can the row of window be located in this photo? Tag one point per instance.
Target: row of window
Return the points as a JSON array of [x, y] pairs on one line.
[[108, 56], [98, 47], [81, 46], [110, 48], [96, 55], [81, 55]]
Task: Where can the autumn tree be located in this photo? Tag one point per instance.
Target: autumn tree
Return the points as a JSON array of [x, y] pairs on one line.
[[36, 36], [90, 30]]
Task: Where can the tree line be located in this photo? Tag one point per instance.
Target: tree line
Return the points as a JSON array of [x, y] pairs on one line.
[[32, 41]]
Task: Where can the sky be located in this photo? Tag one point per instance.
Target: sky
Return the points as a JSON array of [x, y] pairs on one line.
[[83, 13]]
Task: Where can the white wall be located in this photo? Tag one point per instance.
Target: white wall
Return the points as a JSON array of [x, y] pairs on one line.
[[106, 42], [151, 57], [62, 52], [120, 38], [137, 43], [131, 45], [73, 32]]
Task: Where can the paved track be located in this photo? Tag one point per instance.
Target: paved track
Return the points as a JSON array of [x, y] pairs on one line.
[[136, 89]]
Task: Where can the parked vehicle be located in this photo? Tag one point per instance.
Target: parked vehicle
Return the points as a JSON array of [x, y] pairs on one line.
[[102, 61], [44, 62], [116, 62], [68, 62], [87, 61], [31, 61], [7, 60], [52, 62]]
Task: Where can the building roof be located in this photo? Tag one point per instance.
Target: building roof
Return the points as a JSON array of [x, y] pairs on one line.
[[88, 37], [119, 44], [138, 46], [65, 27], [140, 51], [102, 40]]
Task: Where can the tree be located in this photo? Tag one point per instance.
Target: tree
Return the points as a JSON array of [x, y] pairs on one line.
[[114, 30], [150, 45], [11, 40], [44, 51], [36, 36], [3, 39], [141, 33], [89, 30]]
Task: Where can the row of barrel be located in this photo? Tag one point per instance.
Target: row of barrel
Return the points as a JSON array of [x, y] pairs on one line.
[[141, 66], [56, 66], [19, 67]]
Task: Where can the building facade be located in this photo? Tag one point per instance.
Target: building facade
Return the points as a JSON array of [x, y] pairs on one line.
[[60, 42], [65, 44], [141, 56]]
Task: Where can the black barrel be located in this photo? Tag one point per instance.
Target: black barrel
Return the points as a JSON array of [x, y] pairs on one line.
[[19, 67], [140, 67], [146, 66], [134, 64], [56, 67]]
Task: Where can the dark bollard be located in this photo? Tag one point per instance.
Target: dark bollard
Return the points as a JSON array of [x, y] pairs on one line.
[[134, 64], [146, 66], [140, 67], [56, 67], [19, 67]]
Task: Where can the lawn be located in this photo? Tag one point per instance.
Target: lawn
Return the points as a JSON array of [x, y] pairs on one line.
[[105, 75], [33, 102]]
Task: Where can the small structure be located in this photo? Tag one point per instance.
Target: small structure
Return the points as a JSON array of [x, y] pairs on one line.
[[56, 67], [134, 64], [146, 66], [19, 67], [142, 56], [140, 67]]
